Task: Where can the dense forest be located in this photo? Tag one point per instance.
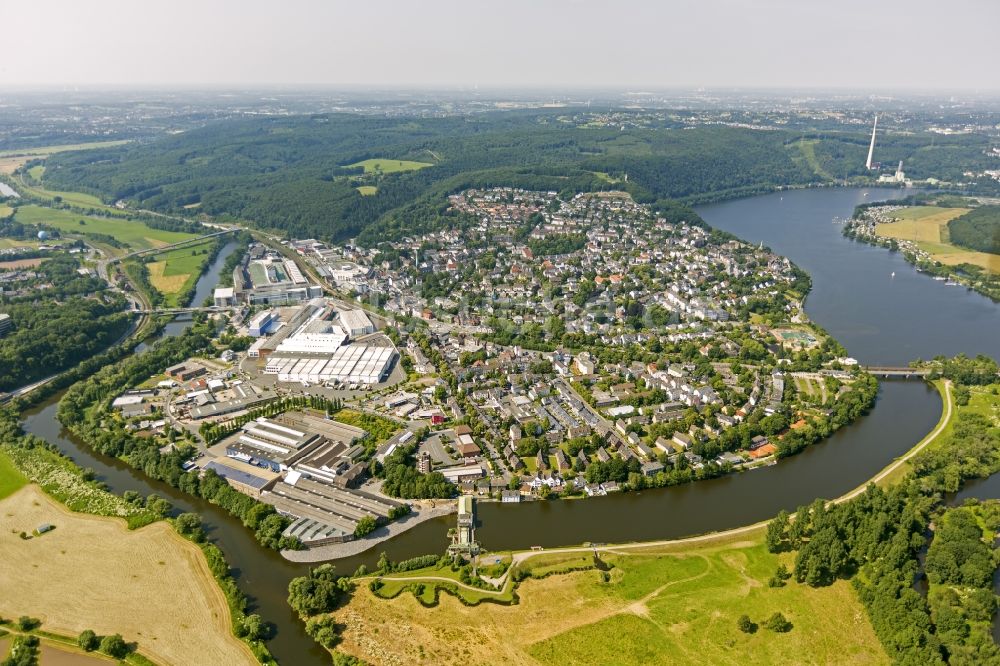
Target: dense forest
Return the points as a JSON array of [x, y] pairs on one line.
[[293, 173], [73, 321], [875, 540], [979, 229]]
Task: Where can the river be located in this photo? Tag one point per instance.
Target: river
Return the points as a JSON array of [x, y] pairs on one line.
[[880, 320]]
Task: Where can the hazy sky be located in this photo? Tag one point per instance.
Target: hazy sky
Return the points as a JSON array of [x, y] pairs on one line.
[[560, 43]]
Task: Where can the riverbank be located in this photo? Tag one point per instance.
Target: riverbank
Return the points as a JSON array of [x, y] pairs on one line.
[[336, 551], [921, 233]]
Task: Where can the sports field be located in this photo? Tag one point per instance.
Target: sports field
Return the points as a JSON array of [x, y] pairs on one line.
[[390, 166], [134, 234], [927, 226], [150, 585], [656, 607]]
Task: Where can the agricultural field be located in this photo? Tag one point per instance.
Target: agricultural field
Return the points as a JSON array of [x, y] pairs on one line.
[[37, 171], [389, 166], [175, 270], [101, 576], [366, 190], [655, 605], [927, 226], [134, 234], [11, 160]]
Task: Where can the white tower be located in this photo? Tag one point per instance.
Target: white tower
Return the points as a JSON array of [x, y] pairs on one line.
[[871, 148]]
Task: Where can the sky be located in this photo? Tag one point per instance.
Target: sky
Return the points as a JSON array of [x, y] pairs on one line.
[[623, 44]]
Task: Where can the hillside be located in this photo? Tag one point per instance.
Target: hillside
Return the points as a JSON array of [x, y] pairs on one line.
[[307, 175]]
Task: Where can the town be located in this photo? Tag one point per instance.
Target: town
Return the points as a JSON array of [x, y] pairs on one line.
[[537, 348]]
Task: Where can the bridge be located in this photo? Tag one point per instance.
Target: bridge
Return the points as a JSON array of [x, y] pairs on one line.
[[889, 371], [177, 311], [172, 246]]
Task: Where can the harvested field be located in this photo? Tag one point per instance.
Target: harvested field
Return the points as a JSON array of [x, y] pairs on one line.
[[20, 263], [167, 284], [149, 585]]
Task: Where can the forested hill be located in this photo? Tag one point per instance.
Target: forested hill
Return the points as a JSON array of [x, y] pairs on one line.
[[979, 229], [294, 173]]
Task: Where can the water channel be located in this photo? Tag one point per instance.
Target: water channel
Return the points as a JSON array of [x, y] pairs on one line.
[[880, 320]]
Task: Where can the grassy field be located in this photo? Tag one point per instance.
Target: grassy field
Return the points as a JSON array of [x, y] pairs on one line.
[[390, 166], [37, 171], [150, 585], [927, 226], [807, 149], [366, 190], [173, 271], [654, 607], [11, 479], [134, 234], [5, 211]]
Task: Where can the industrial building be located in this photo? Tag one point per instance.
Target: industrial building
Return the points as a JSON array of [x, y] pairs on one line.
[[361, 364], [324, 513], [271, 280], [263, 323]]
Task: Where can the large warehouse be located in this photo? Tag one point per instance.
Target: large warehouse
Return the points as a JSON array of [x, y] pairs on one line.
[[362, 364]]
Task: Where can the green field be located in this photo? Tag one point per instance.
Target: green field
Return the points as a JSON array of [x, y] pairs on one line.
[[134, 234], [174, 271], [11, 479], [927, 226], [366, 190], [683, 609], [661, 605], [389, 166], [37, 172], [78, 199]]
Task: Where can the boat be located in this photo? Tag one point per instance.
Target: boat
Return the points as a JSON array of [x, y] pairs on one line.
[[893, 274]]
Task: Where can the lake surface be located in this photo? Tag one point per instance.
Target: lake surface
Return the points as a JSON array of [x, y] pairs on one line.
[[881, 320]]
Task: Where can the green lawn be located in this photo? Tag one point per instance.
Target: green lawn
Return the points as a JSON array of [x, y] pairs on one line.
[[11, 479], [390, 166], [134, 234]]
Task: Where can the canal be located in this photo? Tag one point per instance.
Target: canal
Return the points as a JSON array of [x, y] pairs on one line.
[[880, 319]]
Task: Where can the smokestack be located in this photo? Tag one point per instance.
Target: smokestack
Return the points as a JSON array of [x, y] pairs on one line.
[[871, 148]]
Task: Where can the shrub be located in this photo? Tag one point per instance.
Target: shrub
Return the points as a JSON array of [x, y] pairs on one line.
[[88, 640], [778, 623]]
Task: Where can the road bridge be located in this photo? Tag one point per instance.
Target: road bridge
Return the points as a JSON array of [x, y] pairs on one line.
[[890, 371], [172, 246]]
